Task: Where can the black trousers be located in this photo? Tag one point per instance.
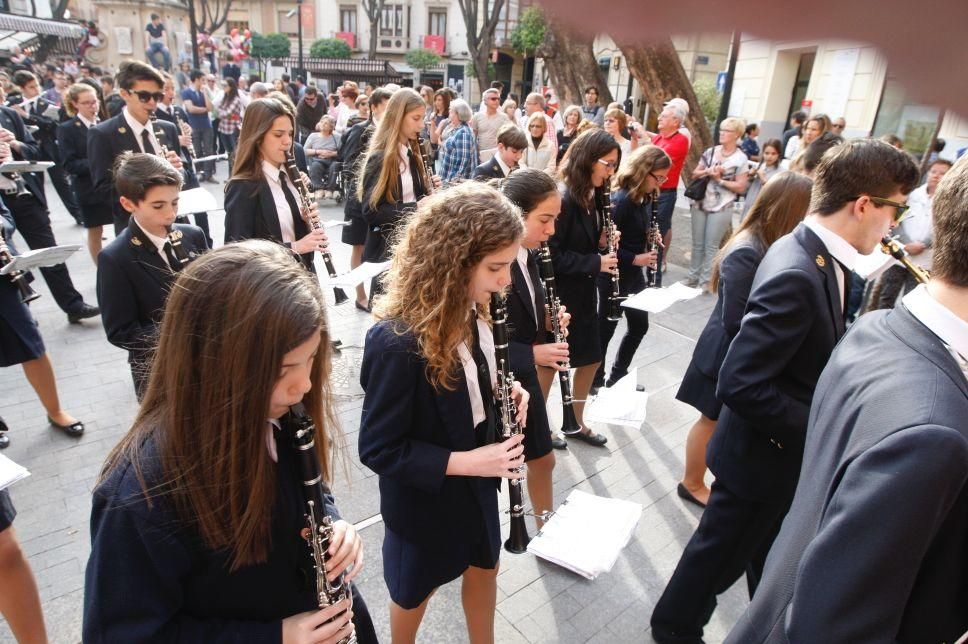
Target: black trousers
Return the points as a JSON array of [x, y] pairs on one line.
[[638, 326], [63, 188], [33, 221], [733, 537]]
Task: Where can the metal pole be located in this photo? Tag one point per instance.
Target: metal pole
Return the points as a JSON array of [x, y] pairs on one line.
[[728, 88], [299, 36], [193, 28]]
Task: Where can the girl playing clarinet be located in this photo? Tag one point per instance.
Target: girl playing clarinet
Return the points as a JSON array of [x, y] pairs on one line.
[[428, 427], [196, 526], [261, 200], [578, 254]]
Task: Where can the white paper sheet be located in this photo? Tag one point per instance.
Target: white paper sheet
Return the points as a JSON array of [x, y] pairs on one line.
[[871, 266], [362, 273], [25, 166], [619, 404], [195, 200], [656, 300], [40, 258], [11, 472], [587, 533], [333, 223]]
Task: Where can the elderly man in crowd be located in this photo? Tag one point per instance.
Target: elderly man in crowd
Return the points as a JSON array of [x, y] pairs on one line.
[[676, 144], [486, 124], [536, 103]]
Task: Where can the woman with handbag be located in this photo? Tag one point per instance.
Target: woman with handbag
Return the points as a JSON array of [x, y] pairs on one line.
[[723, 168]]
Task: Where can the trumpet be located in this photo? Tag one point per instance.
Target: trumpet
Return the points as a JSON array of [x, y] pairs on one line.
[[19, 278], [893, 247], [518, 538], [608, 223], [314, 223]]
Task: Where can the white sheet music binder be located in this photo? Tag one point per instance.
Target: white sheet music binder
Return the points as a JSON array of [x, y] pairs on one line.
[[621, 404], [587, 533], [362, 273], [195, 200], [10, 472], [656, 300], [40, 258]]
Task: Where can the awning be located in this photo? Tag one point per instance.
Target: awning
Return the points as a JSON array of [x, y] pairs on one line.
[[17, 30]]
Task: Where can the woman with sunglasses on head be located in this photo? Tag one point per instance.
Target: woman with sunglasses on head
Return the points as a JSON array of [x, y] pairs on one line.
[[429, 423], [207, 511], [636, 186], [578, 254], [261, 200]]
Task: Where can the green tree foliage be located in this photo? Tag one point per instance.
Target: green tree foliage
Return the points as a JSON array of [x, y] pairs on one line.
[[330, 48], [471, 72], [270, 46], [709, 99], [422, 59], [529, 34]]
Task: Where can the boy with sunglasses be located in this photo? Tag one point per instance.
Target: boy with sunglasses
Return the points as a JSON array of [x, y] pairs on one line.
[[131, 131], [794, 318]]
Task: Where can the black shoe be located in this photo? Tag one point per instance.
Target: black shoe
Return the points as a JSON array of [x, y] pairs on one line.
[[210, 180], [591, 438], [4, 441], [365, 309], [662, 637], [74, 429], [558, 442], [687, 496], [82, 313]]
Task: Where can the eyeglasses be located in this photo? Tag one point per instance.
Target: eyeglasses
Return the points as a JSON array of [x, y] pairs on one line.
[[611, 165], [145, 97], [661, 178], [87, 103], [493, 98], [900, 208], [536, 125]]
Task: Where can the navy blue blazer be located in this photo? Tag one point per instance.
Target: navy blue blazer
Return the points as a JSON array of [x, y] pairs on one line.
[[30, 150], [108, 139], [72, 148], [875, 545], [793, 320], [151, 578], [250, 213], [132, 285], [488, 170], [382, 220], [575, 256], [524, 329], [408, 430]]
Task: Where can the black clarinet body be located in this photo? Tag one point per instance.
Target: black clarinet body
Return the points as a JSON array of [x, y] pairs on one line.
[[318, 529], [569, 422], [652, 242], [174, 236], [608, 224], [518, 538], [307, 201]]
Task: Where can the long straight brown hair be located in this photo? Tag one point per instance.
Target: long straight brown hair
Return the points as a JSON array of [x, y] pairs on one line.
[[386, 139], [259, 117], [231, 317], [781, 205]]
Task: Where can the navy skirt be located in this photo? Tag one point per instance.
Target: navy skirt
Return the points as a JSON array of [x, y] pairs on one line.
[[354, 232], [699, 390], [7, 511], [537, 433], [96, 214], [20, 339]]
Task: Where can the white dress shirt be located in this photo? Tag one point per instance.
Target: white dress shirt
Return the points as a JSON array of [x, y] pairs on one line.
[[838, 247], [87, 124], [283, 212], [523, 265], [500, 162], [917, 225], [159, 242], [949, 328], [137, 128], [470, 369], [406, 177]]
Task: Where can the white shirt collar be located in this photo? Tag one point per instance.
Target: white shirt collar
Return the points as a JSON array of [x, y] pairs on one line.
[[159, 242], [504, 167], [136, 127], [83, 120], [271, 172], [835, 244], [951, 329]]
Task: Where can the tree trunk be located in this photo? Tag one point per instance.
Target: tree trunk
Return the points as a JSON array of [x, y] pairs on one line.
[[572, 66], [374, 34], [373, 9], [659, 71], [480, 19]]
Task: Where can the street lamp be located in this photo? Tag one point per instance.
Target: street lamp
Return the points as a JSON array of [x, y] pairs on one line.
[[298, 12]]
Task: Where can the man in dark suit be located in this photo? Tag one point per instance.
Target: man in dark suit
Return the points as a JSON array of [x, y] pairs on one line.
[[874, 546], [794, 317], [131, 131], [29, 211], [136, 270], [511, 144], [33, 110]]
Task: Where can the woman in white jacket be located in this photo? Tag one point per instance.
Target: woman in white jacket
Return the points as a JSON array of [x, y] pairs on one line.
[[541, 153]]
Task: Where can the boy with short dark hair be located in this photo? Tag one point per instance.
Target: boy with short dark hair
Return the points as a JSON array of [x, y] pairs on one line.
[[511, 144], [136, 270]]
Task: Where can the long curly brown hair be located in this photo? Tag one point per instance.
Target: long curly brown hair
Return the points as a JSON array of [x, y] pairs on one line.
[[434, 258]]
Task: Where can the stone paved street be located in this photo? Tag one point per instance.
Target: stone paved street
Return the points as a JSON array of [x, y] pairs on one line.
[[537, 601]]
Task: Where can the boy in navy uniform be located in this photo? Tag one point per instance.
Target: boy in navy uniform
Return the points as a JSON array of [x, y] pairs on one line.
[[136, 270]]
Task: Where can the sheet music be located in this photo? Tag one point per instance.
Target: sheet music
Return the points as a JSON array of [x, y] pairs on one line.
[[587, 533], [656, 300], [871, 266], [620, 404], [195, 200], [25, 166], [40, 258], [10, 472], [362, 273]]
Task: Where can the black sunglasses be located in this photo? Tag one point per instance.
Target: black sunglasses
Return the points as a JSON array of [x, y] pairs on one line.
[[900, 208], [145, 96]]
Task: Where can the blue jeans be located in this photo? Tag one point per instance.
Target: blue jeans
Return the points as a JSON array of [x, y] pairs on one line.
[[153, 49], [708, 229], [667, 207], [229, 143]]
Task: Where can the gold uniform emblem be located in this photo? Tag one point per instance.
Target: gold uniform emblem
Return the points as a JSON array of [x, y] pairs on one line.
[[121, 130], [821, 262]]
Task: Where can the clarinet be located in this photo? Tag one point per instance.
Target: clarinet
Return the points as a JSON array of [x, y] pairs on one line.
[[19, 278], [652, 240], [569, 422], [422, 147], [190, 148], [174, 236], [518, 538], [314, 223], [318, 531], [608, 223], [895, 249]]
